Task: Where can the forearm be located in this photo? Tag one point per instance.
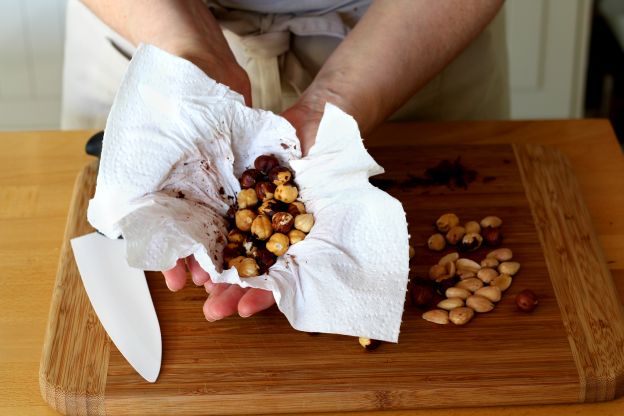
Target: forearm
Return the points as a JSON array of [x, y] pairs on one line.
[[185, 28], [396, 48]]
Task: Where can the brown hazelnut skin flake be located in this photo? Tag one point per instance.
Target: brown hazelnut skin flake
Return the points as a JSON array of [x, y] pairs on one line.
[[282, 222], [264, 258], [261, 227], [231, 251], [296, 208], [246, 198], [278, 244], [265, 163], [244, 218], [265, 191], [295, 236], [280, 175], [304, 222], [249, 177], [286, 193]]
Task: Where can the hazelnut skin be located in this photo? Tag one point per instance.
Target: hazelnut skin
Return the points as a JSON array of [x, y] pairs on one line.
[[470, 242], [231, 251], [244, 218], [249, 177], [446, 222], [492, 236], [282, 222], [265, 190], [246, 198], [261, 227], [264, 258], [304, 222], [422, 293], [235, 236], [269, 208], [278, 244], [280, 175], [526, 301], [286, 193], [265, 163], [296, 208], [295, 236], [436, 242]]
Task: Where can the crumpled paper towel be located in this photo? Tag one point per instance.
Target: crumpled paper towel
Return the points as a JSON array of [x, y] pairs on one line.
[[175, 143]]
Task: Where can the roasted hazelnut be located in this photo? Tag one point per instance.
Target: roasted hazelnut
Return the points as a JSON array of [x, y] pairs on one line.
[[446, 222], [472, 227], [295, 236], [422, 292], [280, 175], [231, 251], [282, 222], [235, 236], [444, 284], [249, 177], [278, 244], [265, 190], [491, 222], [369, 344], [470, 242], [265, 163], [436, 242], [304, 222], [247, 267], [261, 227], [492, 237], [526, 301], [244, 218], [269, 207], [455, 234], [246, 198], [235, 261], [411, 252], [264, 258], [296, 208], [286, 193]]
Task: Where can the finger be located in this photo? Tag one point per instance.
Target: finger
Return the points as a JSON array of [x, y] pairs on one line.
[[255, 300], [199, 275], [175, 278], [224, 304], [215, 289]]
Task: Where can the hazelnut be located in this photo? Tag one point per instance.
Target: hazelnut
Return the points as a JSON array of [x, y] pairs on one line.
[[261, 227], [526, 301], [304, 222], [246, 198], [270, 207], [295, 236], [492, 237], [411, 252], [436, 242], [369, 344], [472, 227], [244, 218], [444, 284], [235, 236], [249, 177], [455, 234], [282, 222], [296, 208], [280, 175], [422, 292], [286, 193], [491, 221], [235, 261], [437, 272], [446, 222], [247, 267], [265, 190], [264, 258], [470, 242], [265, 163], [277, 244]]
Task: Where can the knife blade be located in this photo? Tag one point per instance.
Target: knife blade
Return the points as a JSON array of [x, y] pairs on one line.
[[121, 300]]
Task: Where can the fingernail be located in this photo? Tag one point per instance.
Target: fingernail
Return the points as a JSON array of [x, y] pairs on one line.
[[245, 316]]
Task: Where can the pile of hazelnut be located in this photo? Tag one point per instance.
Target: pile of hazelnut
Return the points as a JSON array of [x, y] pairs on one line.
[[467, 237], [266, 220]]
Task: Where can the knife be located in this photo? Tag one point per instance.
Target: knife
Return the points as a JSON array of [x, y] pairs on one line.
[[121, 300]]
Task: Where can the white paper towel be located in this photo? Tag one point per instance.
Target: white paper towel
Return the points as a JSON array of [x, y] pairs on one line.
[[174, 145]]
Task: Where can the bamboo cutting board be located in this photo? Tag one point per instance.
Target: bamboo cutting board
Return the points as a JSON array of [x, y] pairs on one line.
[[570, 349]]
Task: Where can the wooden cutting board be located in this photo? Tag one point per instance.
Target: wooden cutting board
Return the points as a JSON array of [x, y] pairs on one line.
[[570, 349]]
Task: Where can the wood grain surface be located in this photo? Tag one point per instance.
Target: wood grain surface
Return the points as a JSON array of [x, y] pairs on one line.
[[37, 176], [233, 365]]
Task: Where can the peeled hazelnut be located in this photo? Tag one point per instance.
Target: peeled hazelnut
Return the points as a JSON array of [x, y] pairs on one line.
[[265, 190], [422, 292], [244, 218], [265, 163], [264, 258], [472, 227], [486, 274], [304, 222], [437, 316], [446, 222], [280, 175], [502, 282], [470, 242], [261, 227], [436, 242], [479, 304], [296, 208], [492, 293], [452, 257], [461, 316], [295, 236], [492, 237], [278, 244], [455, 234], [247, 267], [246, 198], [235, 261], [489, 262], [509, 267], [235, 236], [500, 254], [249, 177], [526, 301], [491, 221], [282, 222], [286, 193], [369, 344]]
